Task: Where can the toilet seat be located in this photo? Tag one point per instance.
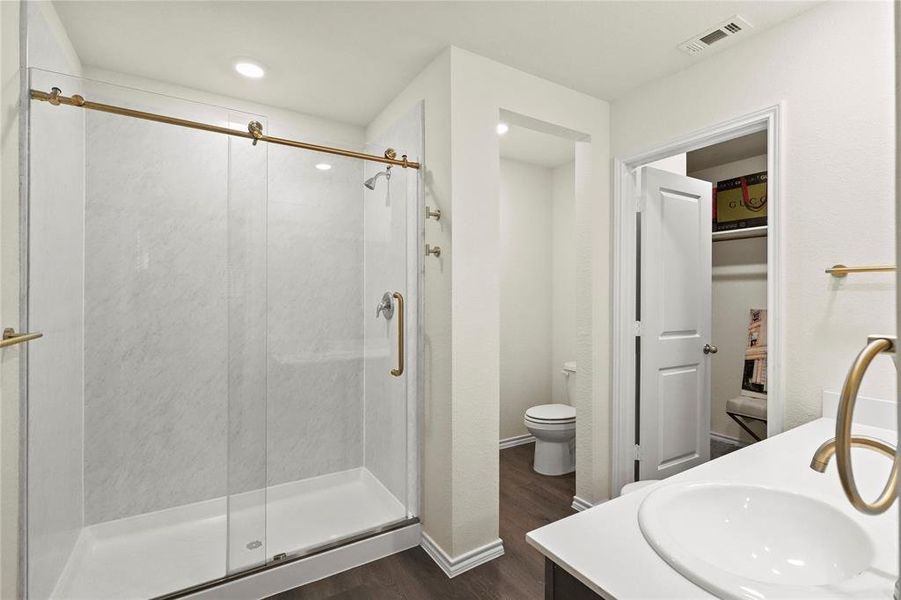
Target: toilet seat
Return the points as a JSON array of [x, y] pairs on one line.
[[551, 414], [554, 429]]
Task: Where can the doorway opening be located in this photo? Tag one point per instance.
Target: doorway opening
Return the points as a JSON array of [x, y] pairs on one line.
[[537, 277], [538, 282], [737, 171], [696, 313]]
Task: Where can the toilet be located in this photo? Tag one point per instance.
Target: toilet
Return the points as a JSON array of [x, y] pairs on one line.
[[554, 429]]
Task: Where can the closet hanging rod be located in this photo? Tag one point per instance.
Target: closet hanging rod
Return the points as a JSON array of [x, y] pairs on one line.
[[254, 128], [842, 270]]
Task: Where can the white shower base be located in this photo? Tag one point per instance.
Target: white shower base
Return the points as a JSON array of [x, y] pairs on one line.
[[158, 553]]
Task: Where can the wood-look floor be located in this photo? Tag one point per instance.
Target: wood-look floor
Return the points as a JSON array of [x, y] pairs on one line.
[[527, 501]]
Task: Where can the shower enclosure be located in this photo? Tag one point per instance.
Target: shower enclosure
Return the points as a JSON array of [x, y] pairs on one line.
[[215, 392]]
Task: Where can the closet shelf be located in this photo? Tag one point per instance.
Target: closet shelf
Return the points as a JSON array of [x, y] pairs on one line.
[[739, 234]]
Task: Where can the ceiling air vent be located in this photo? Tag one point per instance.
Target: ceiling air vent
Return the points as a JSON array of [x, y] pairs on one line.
[[727, 28]]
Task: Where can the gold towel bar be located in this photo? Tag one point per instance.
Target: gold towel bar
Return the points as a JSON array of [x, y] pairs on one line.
[[842, 270], [11, 338]]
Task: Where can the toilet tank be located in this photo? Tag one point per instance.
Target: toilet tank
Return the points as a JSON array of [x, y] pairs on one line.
[[569, 371]]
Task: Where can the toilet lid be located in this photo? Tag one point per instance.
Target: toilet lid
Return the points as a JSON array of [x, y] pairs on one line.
[[551, 412]]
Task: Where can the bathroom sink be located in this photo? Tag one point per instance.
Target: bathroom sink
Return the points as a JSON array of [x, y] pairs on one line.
[[755, 542]]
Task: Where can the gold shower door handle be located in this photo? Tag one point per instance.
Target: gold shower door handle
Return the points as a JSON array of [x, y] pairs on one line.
[[11, 338], [399, 370]]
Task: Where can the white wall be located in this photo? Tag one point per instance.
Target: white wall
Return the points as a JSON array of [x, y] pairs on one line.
[[537, 288], [897, 22], [837, 175], [463, 95], [9, 297], [481, 88], [432, 88], [564, 286], [55, 307], [525, 248], [739, 284]]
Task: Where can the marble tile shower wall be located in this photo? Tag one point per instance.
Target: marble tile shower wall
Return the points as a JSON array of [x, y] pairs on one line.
[[315, 372], [156, 336], [183, 402], [390, 212]]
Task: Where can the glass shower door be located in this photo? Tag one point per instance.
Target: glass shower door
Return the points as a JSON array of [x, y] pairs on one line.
[[216, 389], [247, 317], [146, 396], [337, 399]]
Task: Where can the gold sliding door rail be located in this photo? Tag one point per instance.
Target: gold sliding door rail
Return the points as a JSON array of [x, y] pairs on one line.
[[254, 128], [842, 270]]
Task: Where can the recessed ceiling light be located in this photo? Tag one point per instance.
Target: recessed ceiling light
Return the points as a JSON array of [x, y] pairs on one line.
[[249, 69], [323, 166], [502, 128]]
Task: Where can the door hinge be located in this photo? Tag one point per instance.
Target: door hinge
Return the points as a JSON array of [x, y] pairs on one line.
[[638, 204], [636, 326], [637, 451]]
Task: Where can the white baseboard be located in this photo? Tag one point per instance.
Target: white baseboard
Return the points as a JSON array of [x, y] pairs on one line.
[[517, 440], [466, 561], [728, 439], [581, 504]]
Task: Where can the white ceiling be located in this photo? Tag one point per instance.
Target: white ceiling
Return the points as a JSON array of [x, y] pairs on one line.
[[346, 60], [537, 148]]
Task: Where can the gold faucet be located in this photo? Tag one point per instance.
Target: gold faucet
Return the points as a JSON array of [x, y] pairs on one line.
[[840, 446]]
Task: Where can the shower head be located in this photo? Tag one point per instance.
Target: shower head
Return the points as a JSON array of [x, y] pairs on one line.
[[370, 183]]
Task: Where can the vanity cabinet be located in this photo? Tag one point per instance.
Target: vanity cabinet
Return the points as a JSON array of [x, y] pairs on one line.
[[560, 585]]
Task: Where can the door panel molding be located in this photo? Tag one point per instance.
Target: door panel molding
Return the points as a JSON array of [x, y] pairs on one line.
[[676, 288]]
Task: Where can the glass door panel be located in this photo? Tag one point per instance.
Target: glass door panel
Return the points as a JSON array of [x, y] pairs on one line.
[[140, 240], [338, 417], [247, 309]]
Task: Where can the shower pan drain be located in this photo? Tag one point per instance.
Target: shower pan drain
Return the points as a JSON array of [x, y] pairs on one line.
[[254, 545]]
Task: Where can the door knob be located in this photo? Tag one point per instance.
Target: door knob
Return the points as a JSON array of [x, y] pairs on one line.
[[708, 349]]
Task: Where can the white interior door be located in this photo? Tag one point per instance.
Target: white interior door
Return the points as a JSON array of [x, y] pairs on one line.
[[675, 289]]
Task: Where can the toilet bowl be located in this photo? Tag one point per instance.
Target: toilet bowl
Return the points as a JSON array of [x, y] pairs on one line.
[[554, 428]]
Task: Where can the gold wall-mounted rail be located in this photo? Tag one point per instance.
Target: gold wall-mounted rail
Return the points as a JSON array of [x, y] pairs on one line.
[[11, 338], [254, 129], [842, 270]]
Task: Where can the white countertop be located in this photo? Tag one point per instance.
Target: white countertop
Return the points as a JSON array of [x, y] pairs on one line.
[[604, 548]]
